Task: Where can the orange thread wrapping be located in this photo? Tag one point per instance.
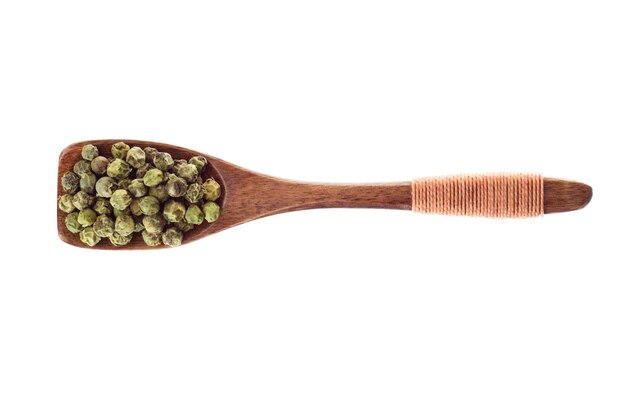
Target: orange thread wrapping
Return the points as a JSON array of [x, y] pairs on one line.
[[491, 195]]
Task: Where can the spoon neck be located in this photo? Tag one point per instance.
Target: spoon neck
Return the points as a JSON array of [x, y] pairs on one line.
[[323, 195], [273, 196]]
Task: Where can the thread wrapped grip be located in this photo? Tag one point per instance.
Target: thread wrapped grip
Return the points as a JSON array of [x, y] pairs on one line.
[[487, 195]]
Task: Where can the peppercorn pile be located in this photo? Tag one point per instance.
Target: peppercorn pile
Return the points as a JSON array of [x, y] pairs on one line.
[[137, 191]]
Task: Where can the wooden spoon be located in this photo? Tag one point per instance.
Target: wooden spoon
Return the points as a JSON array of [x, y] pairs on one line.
[[247, 195]]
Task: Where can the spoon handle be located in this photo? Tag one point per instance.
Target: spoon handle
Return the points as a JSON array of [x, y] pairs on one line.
[[493, 195]]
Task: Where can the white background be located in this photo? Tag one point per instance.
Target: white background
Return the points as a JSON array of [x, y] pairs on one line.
[[328, 312]]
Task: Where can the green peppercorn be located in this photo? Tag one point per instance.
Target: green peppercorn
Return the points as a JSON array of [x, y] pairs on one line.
[[176, 186], [159, 192], [163, 161], [174, 211], [87, 217], [188, 172], [89, 152], [118, 169], [71, 222], [99, 165], [212, 189], [151, 239], [82, 167], [135, 208], [88, 183], [119, 150], [211, 211], [102, 206], [118, 240], [153, 177], [70, 182], [125, 225], [184, 226], [65, 203], [117, 212], [82, 200], [89, 237], [104, 226], [149, 205], [154, 223], [194, 215], [150, 153], [137, 188], [121, 199], [194, 193], [106, 186], [141, 171], [136, 157], [172, 237], [178, 163], [199, 161]]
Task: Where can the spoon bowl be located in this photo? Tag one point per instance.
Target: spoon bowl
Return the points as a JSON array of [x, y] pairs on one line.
[[72, 154]]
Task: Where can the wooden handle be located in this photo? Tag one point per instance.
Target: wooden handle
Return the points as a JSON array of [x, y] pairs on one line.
[[250, 195]]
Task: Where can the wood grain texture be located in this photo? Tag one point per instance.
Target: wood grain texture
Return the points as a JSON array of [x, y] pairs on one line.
[[248, 195], [561, 195]]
